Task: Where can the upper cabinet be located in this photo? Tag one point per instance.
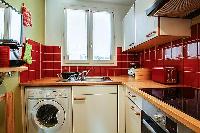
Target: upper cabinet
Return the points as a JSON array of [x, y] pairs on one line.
[[144, 25], [151, 31], [129, 29]]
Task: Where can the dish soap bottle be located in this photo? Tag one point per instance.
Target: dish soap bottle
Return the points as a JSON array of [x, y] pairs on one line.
[[131, 70]]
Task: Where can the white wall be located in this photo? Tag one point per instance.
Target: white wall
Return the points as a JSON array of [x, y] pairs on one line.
[[54, 19]]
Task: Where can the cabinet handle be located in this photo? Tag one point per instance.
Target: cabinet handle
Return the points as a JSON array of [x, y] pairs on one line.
[[131, 94], [136, 113], [132, 107], [80, 98], [151, 34], [131, 44]]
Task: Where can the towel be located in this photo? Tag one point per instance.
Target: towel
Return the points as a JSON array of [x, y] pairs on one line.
[[27, 54]]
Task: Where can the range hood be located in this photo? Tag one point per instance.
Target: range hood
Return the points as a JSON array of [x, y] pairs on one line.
[[175, 8]]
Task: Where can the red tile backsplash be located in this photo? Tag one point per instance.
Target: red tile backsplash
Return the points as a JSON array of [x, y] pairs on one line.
[[123, 63], [57, 57], [34, 70], [4, 56], [194, 31], [57, 49], [24, 76], [184, 54], [48, 56], [49, 72]]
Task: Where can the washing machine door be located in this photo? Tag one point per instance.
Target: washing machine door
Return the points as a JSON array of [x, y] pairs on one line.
[[48, 115]]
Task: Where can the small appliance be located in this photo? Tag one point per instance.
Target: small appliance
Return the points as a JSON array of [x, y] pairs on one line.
[[15, 52], [165, 75], [131, 70], [48, 109]]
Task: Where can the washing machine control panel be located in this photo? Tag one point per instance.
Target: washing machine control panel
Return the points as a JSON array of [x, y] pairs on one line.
[[48, 92]]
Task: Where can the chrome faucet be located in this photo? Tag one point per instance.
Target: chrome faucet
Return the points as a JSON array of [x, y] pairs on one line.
[[84, 73]]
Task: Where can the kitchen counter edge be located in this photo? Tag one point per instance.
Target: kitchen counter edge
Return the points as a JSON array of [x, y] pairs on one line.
[[135, 86]]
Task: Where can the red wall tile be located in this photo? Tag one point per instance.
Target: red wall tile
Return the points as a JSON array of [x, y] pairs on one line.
[[31, 75], [198, 31], [118, 72], [65, 69], [34, 69], [24, 76], [56, 72], [49, 65], [57, 65], [57, 57], [57, 49], [48, 57], [103, 71], [119, 57], [124, 71], [124, 57], [119, 50], [48, 73], [37, 74], [194, 31], [49, 49], [147, 54]]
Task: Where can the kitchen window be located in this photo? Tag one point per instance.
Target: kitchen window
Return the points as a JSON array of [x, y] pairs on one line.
[[1, 23], [89, 37]]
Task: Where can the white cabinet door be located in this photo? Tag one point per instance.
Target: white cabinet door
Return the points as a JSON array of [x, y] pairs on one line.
[[95, 109], [144, 24], [133, 117], [121, 108], [129, 28]]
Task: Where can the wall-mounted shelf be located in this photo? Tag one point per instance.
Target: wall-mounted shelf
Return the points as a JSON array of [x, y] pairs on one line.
[[7, 71], [153, 42], [13, 69]]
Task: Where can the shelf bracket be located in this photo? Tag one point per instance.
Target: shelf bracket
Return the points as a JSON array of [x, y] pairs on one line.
[[3, 75]]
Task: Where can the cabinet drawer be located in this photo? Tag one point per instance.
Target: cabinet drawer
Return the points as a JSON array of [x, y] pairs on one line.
[[134, 109], [133, 118], [135, 98], [96, 89]]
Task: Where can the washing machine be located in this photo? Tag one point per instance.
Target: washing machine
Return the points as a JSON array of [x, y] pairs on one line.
[[48, 109]]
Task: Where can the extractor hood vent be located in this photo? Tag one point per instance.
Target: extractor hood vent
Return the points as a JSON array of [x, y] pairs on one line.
[[175, 8]]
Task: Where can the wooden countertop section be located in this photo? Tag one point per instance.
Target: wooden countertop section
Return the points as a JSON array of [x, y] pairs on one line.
[[181, 117], [135, 86], [56, 82]]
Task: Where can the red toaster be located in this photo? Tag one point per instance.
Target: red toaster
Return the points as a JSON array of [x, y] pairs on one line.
[[165, 75]]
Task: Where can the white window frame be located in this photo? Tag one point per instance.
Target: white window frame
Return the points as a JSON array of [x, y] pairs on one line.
[[90, 61]]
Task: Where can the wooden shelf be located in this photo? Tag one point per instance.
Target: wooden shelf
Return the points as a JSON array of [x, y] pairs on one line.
[[13, 69], [159, 40]]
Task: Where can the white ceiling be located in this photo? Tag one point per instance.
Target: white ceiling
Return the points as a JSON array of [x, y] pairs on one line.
[[121, 2]]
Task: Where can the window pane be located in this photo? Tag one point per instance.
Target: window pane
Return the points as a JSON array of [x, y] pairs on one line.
[[177, 52], [77, 34], [192, 50], [102, 36], [15, 26], [1, 23]]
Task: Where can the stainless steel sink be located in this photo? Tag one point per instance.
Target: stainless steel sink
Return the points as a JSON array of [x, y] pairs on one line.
[[88, 79], [97, 79]]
